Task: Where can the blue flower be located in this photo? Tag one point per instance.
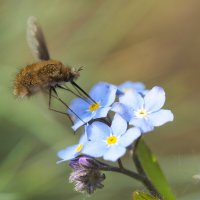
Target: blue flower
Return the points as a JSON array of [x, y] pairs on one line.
[[131, 86], [109, 142], [103, 95], [144, 111], [72, 151]]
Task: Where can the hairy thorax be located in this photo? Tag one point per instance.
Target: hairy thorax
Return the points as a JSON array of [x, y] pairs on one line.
[[41, 76]]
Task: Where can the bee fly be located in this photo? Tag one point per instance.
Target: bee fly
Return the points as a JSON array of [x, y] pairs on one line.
[[46, 74]]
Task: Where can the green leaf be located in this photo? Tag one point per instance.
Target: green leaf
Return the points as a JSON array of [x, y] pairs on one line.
[[143, 196], [153, 170]]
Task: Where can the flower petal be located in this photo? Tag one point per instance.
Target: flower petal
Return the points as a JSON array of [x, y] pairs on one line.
[[130, 136], [154, 99], [84, 119], [119, 125], [94, 148], [101, 112], [161, 117], [114, 153], [132, 99], [104, 93], [144, 92], [68, 153], [142, 123], [98, 131], [80, 109], [83, 139], [125, 111], [79, 105], [134, 86]]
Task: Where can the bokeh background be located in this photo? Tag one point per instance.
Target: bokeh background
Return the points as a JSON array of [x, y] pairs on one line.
[[156, 42]]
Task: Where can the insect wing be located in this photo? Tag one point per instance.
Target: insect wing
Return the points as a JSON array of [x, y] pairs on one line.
[[36, 40]]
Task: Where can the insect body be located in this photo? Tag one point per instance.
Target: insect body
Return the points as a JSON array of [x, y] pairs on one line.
[[42, 76], [45, 74]]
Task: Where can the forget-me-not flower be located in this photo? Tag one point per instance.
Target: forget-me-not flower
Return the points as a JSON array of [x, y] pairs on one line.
[[103, 95], [73, 151], [144, 111], [131, 86], [109, 142]]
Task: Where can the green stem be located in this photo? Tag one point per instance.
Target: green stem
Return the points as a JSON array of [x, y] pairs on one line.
[[140, 176], [146, 182], [122, 171], [120, 164]]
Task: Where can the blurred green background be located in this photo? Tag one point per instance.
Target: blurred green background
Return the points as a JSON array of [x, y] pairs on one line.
[[156, 42]]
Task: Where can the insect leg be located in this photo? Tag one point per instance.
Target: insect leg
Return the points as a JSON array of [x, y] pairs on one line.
[[59, 99], [67, 89], [50, 95], [78, 95]]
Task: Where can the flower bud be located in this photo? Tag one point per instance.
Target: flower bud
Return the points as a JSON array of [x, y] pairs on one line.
[[86, 162], [86, 175]]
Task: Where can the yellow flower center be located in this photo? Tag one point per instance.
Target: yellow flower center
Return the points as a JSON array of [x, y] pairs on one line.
[[141, 113], [79, 148], [111, 140], [94, 106]]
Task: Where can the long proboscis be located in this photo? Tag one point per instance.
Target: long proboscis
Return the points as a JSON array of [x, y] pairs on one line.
[[83, 91]]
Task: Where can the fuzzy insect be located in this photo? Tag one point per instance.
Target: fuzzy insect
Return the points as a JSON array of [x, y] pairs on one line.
[[42, 75], [46, 74]]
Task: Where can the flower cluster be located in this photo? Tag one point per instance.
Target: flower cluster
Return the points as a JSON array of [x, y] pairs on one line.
[[137, 111], [113, 118]]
